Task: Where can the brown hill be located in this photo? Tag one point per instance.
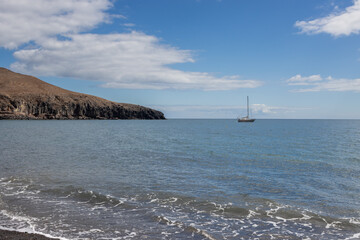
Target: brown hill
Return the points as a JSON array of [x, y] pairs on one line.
[[27, 97]]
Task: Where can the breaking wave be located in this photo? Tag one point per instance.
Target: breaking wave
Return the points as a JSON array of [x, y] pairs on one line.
[[82, 213]]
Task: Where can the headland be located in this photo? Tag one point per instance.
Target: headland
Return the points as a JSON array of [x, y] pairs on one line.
[[27, 97]]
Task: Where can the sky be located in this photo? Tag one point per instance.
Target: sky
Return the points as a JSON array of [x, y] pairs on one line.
[[295, 59]]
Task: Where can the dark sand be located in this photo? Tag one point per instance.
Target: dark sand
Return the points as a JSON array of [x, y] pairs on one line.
[[11, 235]]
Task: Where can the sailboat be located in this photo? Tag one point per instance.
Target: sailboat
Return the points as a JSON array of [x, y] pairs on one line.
[[247, 118]]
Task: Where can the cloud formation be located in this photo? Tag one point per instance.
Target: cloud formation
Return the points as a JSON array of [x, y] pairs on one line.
[[22, 21], [129, 60], [265, 109], [49, 38], [340, 23], [300, 80], [316, 83]]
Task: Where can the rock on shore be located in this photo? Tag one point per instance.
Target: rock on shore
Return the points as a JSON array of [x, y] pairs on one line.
[[27, 97], [11, 235]]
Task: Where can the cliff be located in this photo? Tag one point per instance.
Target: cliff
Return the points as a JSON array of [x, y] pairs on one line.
[[27, 97]]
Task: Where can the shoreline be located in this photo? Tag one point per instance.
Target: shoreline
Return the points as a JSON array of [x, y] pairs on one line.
[[14, 235]]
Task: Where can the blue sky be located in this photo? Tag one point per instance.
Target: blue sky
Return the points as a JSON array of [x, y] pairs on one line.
[[194, 58]]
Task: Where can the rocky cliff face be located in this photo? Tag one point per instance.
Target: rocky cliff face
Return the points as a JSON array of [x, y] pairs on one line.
[[26, 97]]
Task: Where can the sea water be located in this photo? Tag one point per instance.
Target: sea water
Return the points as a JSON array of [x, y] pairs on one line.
[[181, 179]]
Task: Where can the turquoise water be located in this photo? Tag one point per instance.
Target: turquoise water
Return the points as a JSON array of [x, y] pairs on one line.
[[181, 179]]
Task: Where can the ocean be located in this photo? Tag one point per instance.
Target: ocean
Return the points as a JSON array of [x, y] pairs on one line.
[[181, 179]]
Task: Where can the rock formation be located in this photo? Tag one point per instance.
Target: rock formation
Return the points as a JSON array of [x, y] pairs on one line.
[[27, 97]]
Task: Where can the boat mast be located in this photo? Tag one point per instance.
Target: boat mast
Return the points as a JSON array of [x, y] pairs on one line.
[[247, 106]]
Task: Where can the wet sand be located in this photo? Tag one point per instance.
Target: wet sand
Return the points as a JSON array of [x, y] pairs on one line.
[[12, 235]]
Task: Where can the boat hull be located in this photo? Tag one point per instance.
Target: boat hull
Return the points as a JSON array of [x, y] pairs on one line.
[[246, 120]]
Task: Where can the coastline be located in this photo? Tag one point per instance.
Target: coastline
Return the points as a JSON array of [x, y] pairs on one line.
[[14, 235]]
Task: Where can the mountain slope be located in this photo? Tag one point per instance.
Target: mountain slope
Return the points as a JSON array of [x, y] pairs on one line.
[[27, 97]]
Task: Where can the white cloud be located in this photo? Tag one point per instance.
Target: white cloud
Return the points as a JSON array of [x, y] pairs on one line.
[[129, 25], [341, 23], [327, 84], [262, 108], [300, 80], [50, 40], [129, 60], [22, 21]]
